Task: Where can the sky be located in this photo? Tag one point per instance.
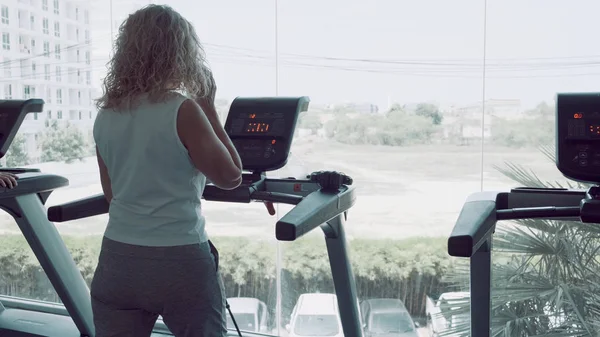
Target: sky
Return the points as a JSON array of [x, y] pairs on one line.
[[386, 51]]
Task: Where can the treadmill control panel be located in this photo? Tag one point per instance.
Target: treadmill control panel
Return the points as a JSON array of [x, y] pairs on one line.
[[262, 129], [578, 136]]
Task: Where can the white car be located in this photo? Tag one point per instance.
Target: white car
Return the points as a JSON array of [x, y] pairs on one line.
[[315, 315], [250, 314]]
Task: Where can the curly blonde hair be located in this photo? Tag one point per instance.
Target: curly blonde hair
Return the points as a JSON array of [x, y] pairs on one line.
[[157, 51]]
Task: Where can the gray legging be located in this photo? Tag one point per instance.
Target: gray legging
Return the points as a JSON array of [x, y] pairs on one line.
[[133, 285]]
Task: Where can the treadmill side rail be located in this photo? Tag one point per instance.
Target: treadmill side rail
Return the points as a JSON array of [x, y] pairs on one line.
[[543, 197]]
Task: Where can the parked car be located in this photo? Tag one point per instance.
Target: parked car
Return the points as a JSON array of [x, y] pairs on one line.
[[315, 315], [387, 317], [250, 314]]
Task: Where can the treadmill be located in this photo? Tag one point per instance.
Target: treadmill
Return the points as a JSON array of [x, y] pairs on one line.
[[577, 158], [262, 131]]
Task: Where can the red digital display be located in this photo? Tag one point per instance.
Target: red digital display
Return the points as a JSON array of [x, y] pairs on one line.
[[578, 115], [257, 127]]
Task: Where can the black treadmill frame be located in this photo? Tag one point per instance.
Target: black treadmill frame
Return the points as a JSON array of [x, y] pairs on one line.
[[472, 236]]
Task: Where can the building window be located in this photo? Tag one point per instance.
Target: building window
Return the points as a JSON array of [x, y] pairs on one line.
[[47, 48], [47, 72], [45, 5], [87, 57], [77, 34], [49, 114], [33, 70], [8, 91], [32, 22], [59, 96], [79, 98], [57, 29], [57, 51], [87, 35], [48, 95], [26, 91], [58, 77], [77, 55], [59, 114], [90, 113], [33, 46], [79, 114], [86, 17], [5, 41], [76, 14], [79, 79], [45, 26], [88, 77], [4, 10], [56, 9]]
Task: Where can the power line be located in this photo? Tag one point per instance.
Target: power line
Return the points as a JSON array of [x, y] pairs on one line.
[[440, 68]]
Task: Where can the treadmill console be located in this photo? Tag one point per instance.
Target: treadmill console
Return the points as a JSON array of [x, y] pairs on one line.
[[578, 136], [262, 129], [12, 114]]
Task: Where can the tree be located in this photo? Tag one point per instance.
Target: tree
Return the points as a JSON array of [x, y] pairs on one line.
[[543, 109], [62, 142], [311, 121], [17, 153], [530, 132], [545, 279], [430, 111]]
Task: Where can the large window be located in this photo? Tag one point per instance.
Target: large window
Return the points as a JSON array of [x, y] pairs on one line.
[[57, 29], [6, 41], [4, 14], [46, 48], [421, 102]]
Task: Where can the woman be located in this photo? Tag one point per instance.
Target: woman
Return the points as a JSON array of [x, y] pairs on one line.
[[155, 148]]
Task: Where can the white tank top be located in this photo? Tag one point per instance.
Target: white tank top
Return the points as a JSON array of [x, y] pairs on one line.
[[156, 187]]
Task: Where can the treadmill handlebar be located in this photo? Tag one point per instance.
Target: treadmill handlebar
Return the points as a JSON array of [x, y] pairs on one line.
[[287, 191], [78, 209], [475, 224], [481, 211], [313, 211]]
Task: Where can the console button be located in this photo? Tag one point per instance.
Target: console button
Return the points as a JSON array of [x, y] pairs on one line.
[[583, 162]]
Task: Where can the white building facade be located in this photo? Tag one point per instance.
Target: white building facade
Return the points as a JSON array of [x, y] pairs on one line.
[[46, 53]]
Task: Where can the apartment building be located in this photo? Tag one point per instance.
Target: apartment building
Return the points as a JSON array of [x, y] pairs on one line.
[[46, 52]]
